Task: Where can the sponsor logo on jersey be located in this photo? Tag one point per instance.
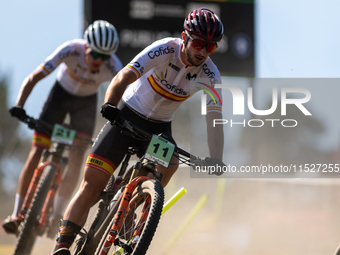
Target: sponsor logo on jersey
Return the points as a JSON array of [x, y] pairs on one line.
[[191, 77], [161, 51], [100, 163], [174, 67], [70, 53], [170, 87], [170, 91], [210, 74], [137, 68]]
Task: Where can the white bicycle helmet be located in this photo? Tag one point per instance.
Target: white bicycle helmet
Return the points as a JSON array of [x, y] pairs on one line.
[[101, 36]]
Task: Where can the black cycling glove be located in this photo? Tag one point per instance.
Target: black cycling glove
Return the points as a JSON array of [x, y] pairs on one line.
[[110, 112], [215, 164], [19, 112]]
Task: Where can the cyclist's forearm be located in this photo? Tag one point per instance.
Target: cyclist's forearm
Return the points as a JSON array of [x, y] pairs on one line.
[[215, 144], [118, 85], [215, 136], [27, 86]]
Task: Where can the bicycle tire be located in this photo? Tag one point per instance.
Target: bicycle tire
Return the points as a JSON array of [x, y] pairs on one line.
[[28, 233], [86, 243], [150, 188], [85, 246]]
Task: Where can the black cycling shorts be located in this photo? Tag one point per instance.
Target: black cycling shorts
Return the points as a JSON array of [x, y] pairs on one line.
[[82, 110], [111, 145]]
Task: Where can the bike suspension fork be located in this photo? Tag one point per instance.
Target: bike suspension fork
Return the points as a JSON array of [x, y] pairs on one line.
[[119, 216], [31, 189], [45, 212]]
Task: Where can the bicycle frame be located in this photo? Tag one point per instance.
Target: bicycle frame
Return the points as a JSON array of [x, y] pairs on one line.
[[130, 180], [123, 206], [59, 165], [53, 156]]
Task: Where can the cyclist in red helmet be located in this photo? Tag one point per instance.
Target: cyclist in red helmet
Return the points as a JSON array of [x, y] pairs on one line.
[[150, 89], [204, 23]]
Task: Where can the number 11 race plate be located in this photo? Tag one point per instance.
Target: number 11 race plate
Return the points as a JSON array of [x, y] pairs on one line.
[[160, 150]]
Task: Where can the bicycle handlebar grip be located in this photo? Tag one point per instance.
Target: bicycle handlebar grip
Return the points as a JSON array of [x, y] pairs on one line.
[[18, 112], [214, 162], [30, 121]]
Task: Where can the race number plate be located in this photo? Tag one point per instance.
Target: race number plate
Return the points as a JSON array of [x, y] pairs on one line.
[[160, 150], [62, 135]]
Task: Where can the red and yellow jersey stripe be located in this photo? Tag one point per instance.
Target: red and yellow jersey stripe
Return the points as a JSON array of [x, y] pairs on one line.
[[76, 78], [164, 93], [132, 68]]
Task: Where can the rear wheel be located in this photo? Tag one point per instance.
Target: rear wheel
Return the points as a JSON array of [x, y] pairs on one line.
[[149, 195], [28, 232]]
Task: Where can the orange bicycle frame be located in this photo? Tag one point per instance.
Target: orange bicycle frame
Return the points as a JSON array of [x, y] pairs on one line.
[[33, 187], [119, 216]]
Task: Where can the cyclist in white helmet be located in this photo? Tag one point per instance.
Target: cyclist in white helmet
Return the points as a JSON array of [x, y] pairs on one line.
[[84, 65]]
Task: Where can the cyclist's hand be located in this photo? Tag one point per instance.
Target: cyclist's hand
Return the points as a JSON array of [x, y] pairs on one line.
[[18, 111], [216, 165], [110, 112]]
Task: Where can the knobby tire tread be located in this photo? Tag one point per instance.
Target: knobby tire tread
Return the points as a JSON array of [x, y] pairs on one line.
[[28, 232], [155, 189], [90, 246]]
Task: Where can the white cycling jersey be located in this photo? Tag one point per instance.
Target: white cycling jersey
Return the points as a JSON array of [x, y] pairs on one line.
[[74, 75], [164, 80]]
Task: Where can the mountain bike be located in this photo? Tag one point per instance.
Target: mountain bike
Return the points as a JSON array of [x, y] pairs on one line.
[[130, 206], [38, 203]]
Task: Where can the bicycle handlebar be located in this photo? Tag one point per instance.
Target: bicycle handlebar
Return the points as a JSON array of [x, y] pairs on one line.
[[42, 126], [137, 132], [37, 125]]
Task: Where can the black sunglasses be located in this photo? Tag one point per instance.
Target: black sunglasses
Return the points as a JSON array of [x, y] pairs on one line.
[[96, 55]]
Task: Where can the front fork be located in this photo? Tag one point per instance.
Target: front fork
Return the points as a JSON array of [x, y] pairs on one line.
[[45, 212], [139, 168], [50, 196], [123, 206]]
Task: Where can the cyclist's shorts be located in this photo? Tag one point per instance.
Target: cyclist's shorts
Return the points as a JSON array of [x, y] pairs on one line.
[[111, 144], [41, 140], [82, 112]]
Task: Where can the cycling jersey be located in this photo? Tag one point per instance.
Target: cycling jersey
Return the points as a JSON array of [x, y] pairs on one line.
[[164, 80], [74, 75]]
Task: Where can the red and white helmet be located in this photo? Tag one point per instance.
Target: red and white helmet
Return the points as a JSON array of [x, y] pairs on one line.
[[204, 23]]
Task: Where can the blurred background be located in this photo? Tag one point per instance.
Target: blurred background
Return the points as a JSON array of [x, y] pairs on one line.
[[263, 40]]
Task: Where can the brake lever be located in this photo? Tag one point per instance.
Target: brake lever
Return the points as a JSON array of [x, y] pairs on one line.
[[30, 122], [197, 162]]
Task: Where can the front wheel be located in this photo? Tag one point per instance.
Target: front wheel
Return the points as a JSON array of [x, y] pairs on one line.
[[28, 232], [139, 223]]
